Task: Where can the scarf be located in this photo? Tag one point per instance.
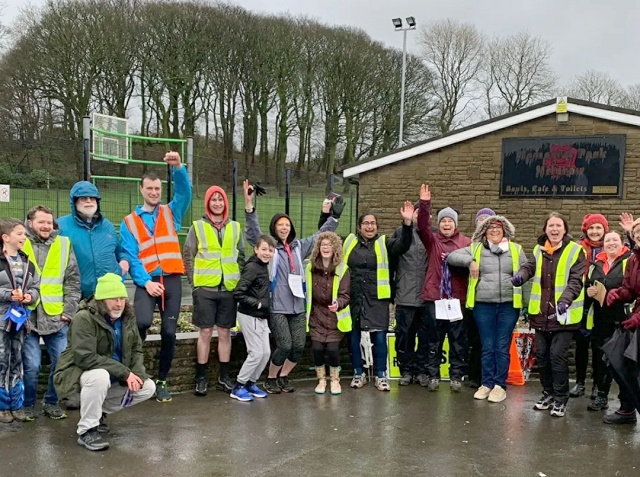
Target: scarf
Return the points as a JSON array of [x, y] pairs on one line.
[[445, 282], [292, 263], [550, 248]]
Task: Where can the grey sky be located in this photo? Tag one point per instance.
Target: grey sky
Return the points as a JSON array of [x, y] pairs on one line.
[[585, 34]]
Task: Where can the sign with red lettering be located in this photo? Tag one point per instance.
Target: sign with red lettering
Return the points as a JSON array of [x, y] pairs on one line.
[[571, 166]]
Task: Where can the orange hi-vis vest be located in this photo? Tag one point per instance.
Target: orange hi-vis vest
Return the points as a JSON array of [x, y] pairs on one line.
[[162, 249]]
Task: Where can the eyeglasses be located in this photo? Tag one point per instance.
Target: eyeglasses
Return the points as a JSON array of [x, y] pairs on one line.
[[495, 227], [326, 245], [366, 224]]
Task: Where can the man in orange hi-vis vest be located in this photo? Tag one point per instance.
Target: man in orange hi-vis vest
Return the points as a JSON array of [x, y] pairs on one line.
[[149, 238]]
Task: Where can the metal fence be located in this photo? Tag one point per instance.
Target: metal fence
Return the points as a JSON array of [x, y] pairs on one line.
[[119, 200]]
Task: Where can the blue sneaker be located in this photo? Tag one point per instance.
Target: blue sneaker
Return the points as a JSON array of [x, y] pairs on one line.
[[255, 391], [241, 394]]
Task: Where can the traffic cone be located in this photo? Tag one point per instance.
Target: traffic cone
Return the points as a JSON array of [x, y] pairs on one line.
[[516, 376]]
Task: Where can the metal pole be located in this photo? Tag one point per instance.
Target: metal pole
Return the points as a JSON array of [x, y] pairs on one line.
[[404, 67], [234, 189], [350, 211], [287, 192], [301, 212], [190, 158], [86, 146]]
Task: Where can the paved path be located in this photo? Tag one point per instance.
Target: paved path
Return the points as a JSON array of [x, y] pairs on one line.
[[407, 432]]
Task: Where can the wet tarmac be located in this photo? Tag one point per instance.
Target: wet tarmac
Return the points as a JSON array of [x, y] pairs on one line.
[[405, 432]]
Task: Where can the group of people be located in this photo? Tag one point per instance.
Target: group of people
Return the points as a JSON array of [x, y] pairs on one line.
[[62, 282]]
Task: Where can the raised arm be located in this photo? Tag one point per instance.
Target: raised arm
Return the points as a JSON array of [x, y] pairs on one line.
[[399, 245], [252, 227], [331, 224], [182, 188], [424, 217]]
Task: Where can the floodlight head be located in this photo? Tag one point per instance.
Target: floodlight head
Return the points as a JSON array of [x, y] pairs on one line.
[[397, 23], [411, 21]]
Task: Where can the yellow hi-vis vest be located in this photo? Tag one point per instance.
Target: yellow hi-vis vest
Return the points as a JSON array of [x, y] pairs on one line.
[[568, 258], [476, 252], [344, 315], [52, 274], [213, 262], [590, 313], [382, 259]]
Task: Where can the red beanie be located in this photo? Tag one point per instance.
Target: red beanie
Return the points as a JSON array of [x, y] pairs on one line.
[[591, 219]]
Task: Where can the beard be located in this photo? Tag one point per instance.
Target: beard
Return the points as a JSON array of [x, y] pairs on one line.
[[88, 211]]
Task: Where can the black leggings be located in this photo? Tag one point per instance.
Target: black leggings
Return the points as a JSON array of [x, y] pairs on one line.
[[332, 350]]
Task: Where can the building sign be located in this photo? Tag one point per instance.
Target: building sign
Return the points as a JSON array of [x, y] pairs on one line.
[[572, 166]]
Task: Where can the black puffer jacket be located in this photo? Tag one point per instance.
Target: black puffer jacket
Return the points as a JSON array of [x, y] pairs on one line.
[[253, 288]]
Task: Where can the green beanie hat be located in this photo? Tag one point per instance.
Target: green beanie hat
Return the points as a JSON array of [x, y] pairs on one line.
[[110, 286]]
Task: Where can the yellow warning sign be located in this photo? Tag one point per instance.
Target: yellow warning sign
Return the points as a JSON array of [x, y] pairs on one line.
[[394, 370], [561, 105]]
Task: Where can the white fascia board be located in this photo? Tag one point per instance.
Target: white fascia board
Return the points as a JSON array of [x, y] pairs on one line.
[[472, 133]]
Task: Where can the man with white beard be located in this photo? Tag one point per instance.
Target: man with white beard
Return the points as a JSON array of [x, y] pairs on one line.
[[103, 361], [93, 237]]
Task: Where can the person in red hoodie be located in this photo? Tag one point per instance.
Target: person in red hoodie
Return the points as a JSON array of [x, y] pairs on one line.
[[594, 228], [213, 258], [438, 244]]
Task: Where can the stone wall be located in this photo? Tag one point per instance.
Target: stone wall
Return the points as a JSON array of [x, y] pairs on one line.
[[466, 176], [181, 377]]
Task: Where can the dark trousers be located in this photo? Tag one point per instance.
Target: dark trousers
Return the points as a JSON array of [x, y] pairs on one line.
[[474, 361], [456, 332], [602, 377], [552, 349], [411, 324], [380, 351], [329, 350], [583, 343], [169, 305]]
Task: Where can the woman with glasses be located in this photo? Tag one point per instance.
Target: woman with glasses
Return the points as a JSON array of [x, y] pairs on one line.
[[493, 259], [367, 255], [328, 315]]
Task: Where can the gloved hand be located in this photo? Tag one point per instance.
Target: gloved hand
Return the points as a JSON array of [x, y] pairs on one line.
[[585, 332], [612, 297], [337, 207], [562, 308], [633, 322], [257, 188], [517, 280]]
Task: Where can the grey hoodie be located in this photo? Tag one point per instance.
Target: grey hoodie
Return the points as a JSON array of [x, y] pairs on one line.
[[282, 300], [496, 267], [40, 321]]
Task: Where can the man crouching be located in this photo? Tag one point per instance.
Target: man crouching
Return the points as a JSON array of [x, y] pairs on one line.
[[103, 361]]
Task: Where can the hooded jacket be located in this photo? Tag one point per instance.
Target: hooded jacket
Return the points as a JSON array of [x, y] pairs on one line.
[[629, 291], [546, 320], [282, 299], [190, 249], [40, 321], [91, 346], [30, 284], [437, 244], [496, 266], [95, 242]]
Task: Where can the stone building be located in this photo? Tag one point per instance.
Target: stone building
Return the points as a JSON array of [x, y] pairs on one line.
[[566, 155]]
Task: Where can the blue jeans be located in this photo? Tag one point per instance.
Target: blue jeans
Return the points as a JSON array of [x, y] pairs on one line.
[[379, 341], [55, 344], [496, 322]]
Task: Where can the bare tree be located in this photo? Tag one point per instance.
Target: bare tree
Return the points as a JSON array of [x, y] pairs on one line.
[[631, 97], [453, 52], [518, 73], [597, 87]]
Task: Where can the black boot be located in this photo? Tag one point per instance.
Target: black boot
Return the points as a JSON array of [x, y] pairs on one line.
[[620, 417]]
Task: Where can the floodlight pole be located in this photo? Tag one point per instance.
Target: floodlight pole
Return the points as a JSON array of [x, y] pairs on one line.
[[86, 147], [398, 26]]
